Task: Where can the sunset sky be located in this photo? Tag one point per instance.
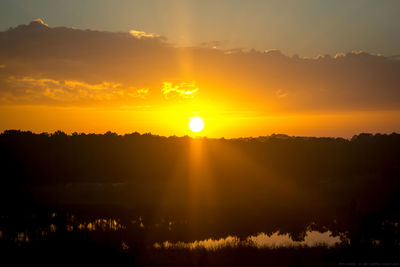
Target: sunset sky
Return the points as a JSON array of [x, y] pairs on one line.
[[248, 68]]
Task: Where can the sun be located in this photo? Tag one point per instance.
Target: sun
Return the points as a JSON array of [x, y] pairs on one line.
[[196, 124]]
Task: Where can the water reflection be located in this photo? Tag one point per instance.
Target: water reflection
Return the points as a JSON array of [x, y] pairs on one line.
[[311, 239], [102, 225], [25, 234], [262, 240]]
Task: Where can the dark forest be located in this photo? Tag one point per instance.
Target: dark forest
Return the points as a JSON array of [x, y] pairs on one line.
[[143, 188]]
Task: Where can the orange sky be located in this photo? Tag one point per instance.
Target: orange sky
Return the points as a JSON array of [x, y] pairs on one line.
[[100, 120], [90, 81]]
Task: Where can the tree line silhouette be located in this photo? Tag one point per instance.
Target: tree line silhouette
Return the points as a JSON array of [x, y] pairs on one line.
[[182, 188]]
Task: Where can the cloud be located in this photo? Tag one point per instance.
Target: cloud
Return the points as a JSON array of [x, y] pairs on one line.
[[28, 90], [142, 93], [183, 90], [212, 44], [143, 35], [281, 94], [66, 66], [39, 21], [273, 52]]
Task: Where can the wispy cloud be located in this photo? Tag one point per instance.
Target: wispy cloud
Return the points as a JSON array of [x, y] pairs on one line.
[[141, 34], [184, 90], [281, 94], [142, 93], [46, 90]]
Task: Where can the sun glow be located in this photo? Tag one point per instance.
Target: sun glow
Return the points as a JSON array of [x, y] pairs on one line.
[[196, 124]]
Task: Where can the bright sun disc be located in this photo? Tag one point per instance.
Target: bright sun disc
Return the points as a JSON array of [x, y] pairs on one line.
[[196, 124]]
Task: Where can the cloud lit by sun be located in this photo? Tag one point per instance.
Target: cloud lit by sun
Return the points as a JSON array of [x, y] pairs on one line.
[[184, 90]]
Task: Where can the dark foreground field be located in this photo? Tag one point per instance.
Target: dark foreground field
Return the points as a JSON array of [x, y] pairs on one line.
[[78, 252], [88, 199]]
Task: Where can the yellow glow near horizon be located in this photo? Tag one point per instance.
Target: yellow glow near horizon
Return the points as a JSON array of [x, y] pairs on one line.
[[196, 124], [173, 120]]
